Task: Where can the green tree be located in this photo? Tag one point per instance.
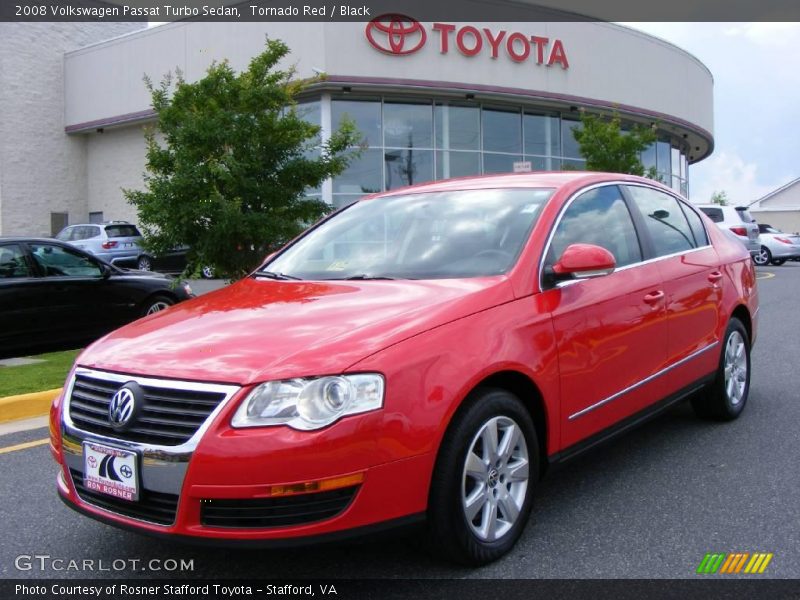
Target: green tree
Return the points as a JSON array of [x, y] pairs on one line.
[[720, 197], [230, 161], [607, 148]]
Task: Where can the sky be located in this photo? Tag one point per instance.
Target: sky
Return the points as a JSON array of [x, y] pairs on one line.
[[756, 69]]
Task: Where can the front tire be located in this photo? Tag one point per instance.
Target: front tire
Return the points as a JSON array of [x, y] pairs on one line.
[[725, 399], [156, 304], [763, 257], [482, 486]]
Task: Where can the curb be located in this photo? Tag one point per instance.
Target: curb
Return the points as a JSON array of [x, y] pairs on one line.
[[26, 406]]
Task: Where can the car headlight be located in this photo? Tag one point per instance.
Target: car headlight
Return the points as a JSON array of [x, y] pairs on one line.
[[310, 403], [188, 289]]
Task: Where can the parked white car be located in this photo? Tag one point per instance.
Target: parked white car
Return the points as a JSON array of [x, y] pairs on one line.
[[776, 246], [738, 221]]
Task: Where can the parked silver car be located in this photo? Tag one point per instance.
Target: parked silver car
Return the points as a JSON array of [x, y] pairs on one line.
[[112, 241], [776, 246], [738, 221]]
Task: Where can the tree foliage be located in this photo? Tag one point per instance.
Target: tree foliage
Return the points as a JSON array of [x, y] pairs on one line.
[[720, 197], [229, 163], [606, 147]]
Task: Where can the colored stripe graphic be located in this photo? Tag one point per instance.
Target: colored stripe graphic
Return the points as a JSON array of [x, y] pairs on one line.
[[720, 562]]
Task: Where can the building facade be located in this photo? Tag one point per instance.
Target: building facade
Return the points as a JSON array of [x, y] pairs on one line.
[[432, 100], [43, 179], [780, 208]]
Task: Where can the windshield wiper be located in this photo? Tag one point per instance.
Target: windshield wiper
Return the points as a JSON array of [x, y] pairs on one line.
[[363, 277], [279, 276]]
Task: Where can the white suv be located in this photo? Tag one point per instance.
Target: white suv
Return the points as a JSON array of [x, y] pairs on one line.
[[111, 241], [738, 221]]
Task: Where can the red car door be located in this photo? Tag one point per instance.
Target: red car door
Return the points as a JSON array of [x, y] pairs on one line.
[[689, 267], [611, 330]]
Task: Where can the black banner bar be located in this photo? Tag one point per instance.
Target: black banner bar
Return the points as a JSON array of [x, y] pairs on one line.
[[463, 589], [421, 10]]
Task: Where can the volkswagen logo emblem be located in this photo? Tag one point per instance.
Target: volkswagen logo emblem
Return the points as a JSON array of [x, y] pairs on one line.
[[396, 34], [122, 406]]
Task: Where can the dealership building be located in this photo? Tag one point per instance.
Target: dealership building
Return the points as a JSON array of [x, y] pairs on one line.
[[433, 100]]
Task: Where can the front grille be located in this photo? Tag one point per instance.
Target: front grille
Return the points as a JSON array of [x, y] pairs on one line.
[[169, 416], [276, 512], [155, 507]]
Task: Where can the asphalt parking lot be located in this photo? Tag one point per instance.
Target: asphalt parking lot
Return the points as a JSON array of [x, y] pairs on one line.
[[649, 505]]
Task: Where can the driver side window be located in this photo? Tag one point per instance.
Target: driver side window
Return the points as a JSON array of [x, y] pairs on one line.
[[56, 261], [600, 217]]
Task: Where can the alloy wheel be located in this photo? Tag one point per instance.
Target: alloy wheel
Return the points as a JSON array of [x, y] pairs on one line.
[[495, 478], [735, 368]]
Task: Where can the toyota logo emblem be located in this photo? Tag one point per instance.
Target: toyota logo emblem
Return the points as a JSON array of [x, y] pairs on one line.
[[121, 408], [396, 34]]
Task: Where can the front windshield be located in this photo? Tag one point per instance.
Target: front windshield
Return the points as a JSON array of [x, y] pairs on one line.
[[471, 233]]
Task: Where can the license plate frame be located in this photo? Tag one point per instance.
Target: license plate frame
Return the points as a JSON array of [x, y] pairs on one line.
[[111, 471]]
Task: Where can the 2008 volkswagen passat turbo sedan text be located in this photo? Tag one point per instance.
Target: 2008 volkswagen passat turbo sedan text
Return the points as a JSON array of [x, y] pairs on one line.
[[423, 354]]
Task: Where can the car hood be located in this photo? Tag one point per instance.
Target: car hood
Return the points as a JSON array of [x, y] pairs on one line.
[[259, 329]]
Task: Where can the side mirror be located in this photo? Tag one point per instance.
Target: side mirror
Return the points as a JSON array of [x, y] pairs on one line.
[[581, 261]]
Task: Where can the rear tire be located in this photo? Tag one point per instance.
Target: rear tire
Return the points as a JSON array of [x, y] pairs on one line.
[[724, 400], [144, 263], [763, 257], [482, 486]]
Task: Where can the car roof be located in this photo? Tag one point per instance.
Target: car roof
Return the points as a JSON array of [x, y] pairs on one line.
[[540, 179], [21, 238]]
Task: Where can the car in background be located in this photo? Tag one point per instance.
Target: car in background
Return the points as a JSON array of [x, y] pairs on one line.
[[171, 262], [737, 220], [111, 242], [424, 354], [776, 246], [52, 294]]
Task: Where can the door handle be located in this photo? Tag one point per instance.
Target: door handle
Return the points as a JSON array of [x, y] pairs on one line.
[[654, 297], [714, 276]]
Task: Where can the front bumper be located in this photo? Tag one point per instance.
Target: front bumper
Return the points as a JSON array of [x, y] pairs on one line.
[[201, 488]]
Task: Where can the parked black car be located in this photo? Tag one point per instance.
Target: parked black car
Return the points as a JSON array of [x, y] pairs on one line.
[[171, 262], [52, 293]]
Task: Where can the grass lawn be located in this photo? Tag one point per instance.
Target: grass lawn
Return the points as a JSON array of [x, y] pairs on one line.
[[42, 376]]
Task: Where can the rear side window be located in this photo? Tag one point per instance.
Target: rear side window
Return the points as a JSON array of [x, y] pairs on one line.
[[744, 215], [715, 214], [116, 231], [598, 217], [696, 225], [665, 221], [12, 263]]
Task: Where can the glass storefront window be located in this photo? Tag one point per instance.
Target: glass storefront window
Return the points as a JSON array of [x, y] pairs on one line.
[[541, 135], [502, 131], [457, 164], [499, 163], [568, 142], [457, 127], [363, 176], [365, 113], [309, 111], [407, 125], [407, 167], [663, 159]]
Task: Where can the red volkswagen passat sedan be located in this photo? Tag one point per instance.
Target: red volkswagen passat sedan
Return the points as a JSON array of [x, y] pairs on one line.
[[423, 353]]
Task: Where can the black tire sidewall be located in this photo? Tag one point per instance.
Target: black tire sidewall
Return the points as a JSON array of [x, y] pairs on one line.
[[726, 409], [450, 530], [147, 305]]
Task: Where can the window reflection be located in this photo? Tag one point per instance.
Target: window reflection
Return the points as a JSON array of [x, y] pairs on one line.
[[407, 167]]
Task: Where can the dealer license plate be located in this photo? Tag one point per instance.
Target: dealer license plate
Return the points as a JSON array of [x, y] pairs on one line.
[[110, 471]]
